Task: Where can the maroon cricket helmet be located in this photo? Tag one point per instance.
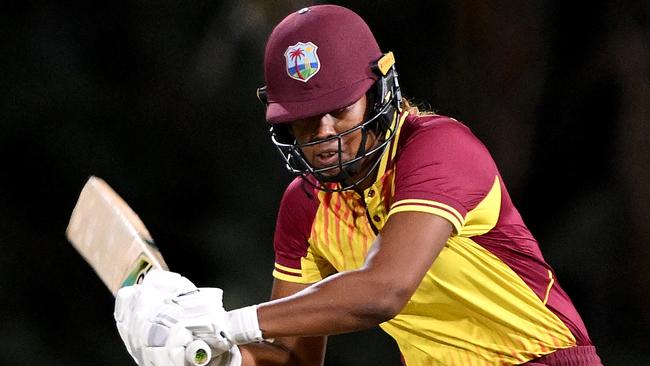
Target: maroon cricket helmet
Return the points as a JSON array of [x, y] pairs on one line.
[[317, 60]]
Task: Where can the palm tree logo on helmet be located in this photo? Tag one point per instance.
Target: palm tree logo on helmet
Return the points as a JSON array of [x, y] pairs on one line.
[[302, 61]]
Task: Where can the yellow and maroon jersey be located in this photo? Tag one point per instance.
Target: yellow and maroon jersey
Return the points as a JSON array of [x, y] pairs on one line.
[[488, 299]]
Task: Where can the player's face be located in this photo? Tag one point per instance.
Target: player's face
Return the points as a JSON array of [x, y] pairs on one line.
[[317, 128]]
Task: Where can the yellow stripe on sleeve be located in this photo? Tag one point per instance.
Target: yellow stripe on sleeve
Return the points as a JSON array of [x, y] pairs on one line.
[[289, 278], [288, 274], [432, 207], [288, 269], [443, 206]]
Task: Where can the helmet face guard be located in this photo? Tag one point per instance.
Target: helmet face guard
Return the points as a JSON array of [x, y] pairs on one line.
[[385, 106]]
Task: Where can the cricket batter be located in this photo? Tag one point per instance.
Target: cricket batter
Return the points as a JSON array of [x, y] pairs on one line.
[[398, 218]]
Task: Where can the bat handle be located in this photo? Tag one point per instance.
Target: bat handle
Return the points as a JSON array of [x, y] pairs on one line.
[[198, 353]]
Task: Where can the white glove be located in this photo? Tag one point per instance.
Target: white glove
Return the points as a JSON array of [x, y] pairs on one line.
[[158, 318], [204, 317], [150, 321], [207, 320], [136, 306]]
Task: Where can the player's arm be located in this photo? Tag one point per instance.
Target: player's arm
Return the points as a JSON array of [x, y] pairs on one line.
[[349, 301], [345, 302], [285, 350]]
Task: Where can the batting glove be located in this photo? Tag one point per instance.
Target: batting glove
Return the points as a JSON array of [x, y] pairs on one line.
[[207, 320], [147, 318]]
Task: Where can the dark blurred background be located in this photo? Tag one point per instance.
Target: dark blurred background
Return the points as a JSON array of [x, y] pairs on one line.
[[158, 98]]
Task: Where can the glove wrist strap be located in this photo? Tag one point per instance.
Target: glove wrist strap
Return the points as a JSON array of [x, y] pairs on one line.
[[243, 325]]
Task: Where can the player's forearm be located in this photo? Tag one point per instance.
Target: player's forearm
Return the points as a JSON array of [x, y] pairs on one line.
[[359, 299], [264, 353], [308, 352], [345, 302]]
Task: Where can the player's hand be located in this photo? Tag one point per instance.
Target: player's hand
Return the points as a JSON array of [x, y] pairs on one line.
[[207, 320], [159, 317], [204, 316], [147, 318], [201, 316]]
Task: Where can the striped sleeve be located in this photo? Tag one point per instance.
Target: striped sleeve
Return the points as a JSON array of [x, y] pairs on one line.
[[294, 261], [286, 273], [441, 169], [448, 212]]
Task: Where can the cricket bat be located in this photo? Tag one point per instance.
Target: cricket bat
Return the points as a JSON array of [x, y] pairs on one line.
[[110, 236]]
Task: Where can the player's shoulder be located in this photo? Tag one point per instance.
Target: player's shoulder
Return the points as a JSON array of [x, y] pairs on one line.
[[439, 131], [298, 208], [300, 193], [435, 124]]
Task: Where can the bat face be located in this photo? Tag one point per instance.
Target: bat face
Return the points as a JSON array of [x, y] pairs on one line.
[[113, 240], [111, 237]]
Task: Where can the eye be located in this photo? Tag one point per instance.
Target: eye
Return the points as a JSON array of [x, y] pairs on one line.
[[302, 129], [341, 111]]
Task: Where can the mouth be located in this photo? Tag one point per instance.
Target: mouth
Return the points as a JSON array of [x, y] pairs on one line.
[[326, 159]]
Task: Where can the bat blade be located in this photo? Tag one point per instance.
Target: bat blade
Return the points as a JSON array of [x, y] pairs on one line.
[[111, 237], [117, 245]]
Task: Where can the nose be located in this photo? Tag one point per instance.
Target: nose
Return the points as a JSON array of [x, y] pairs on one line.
[[324, 127]]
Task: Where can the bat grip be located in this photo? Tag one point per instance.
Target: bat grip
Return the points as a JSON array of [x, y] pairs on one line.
[[198, 353]]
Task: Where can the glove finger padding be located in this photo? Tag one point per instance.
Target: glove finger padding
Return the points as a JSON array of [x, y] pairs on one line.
[[172, 351], [146, 317], [170, 283], [157, 333], [205, 317], [134, 307]]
